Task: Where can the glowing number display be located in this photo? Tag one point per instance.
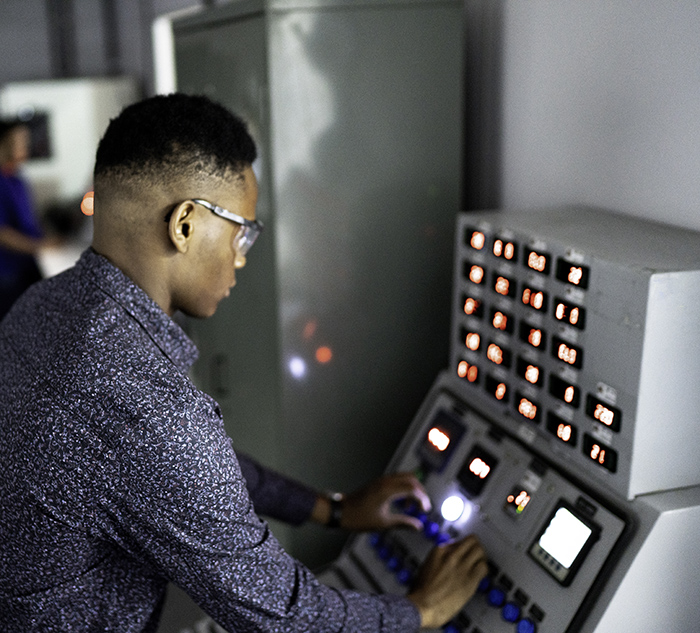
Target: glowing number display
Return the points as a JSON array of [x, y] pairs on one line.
[[531, 335], [599, 453], [467, 371], [477, 240], [535, 337], [476, 274], [496, 388], [472, 306], [503, 249], [534, 298], [500, 392], [495, 354], [562, 430], [527, 408], [500, 321], [476, 470], [538, 262], [604, 413], [438, 439], [570, 354], [502, 286], [529, 372], [479, 468], [573, 274], [564, 391], [570, 313], [472, 341]]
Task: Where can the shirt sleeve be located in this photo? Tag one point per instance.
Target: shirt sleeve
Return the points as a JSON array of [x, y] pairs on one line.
[[183, 508], [275, 495]]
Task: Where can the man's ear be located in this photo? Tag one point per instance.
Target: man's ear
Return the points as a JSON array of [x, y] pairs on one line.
[[181, 225]]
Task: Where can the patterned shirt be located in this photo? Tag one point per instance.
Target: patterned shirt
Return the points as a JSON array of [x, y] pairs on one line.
[[116, 475]]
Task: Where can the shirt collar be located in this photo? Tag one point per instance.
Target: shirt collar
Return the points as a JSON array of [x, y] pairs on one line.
[[164, 332]]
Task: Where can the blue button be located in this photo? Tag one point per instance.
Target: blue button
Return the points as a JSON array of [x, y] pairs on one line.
[[385, 552], [451, 628], [431, 529], [484, 585], [393, 563], [496, 597], [511, 612], [525, 626], [404, 576], [442, 537]]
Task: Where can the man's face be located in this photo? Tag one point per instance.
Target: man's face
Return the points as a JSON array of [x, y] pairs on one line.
[[214, 257]]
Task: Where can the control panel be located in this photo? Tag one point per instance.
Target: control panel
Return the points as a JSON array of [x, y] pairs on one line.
[[551, 541], [575, 327]]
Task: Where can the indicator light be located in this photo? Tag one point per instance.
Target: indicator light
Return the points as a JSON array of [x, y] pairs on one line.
[[438, 439], [477, 240], [453, 508]]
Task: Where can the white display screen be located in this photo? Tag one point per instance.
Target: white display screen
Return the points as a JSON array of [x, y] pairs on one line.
[[565, 537]]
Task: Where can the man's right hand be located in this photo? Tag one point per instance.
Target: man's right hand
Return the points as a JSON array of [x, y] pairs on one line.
[[447, 580]]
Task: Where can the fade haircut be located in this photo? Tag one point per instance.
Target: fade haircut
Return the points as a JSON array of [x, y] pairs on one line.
[[174, 136]]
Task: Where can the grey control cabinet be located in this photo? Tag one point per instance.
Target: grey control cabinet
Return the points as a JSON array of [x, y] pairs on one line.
[[340, 320]]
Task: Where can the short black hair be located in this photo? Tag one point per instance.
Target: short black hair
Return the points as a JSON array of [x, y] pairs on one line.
[[174, 136]]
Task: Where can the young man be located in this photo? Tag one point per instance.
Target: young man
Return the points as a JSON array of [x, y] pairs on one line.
[[116, 473]]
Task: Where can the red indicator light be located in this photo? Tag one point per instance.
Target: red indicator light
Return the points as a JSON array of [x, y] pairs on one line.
[[438, 439], [477, 241]]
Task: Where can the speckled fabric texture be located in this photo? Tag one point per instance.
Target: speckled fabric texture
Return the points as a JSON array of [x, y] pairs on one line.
[[116, 476]]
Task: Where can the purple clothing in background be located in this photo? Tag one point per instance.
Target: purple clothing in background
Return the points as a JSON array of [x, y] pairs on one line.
[[116, 475]]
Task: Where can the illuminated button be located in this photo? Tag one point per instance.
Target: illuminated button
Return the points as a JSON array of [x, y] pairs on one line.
[[526, 626], [484, 585], [431, 529], [473, 272], [496, 597], [452, 508], [532, 335], [565, 391], [566, 352], [570, 313], [511, 612], [535, 299], [603, 412], [474, 238], [441, 538], [451, 628], [517, 501], [503, 285], [561, 429], [599, 453], [393, 564], [573, 274], [539, 262], [404, 576], [476, 470]]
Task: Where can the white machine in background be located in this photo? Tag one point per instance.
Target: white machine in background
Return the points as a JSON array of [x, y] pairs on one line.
[[564, 433]]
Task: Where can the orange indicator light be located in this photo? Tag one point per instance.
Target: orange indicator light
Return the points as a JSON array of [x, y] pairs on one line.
[[502, 286], [532, 374], [520, 500], [604, 415], [438, 439], [567, 354], [494, 354], [476, 274], [473, 341], [533, 299], [500, 392], [465, 370], [324, 355], [471, 305], [575, 275], [500, 321], [537, 262], [535, 337], [564, 432], [569, 394]]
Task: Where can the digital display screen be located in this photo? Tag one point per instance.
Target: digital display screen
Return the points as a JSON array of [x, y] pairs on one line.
[[538, 262], [477, 470], [563, 390], [535, 299], [468, 371], [472, 306], [441, 437], [564, 543], [570, 313], [528, 408], [497, 388], [503, 286], [474, 238], [499, 355], [502, 321], [561, 429], [533, 335], [566, 352], [473, 272], [604, 413], [573, 274], [599, 453], [470, 339], [505, 249]]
